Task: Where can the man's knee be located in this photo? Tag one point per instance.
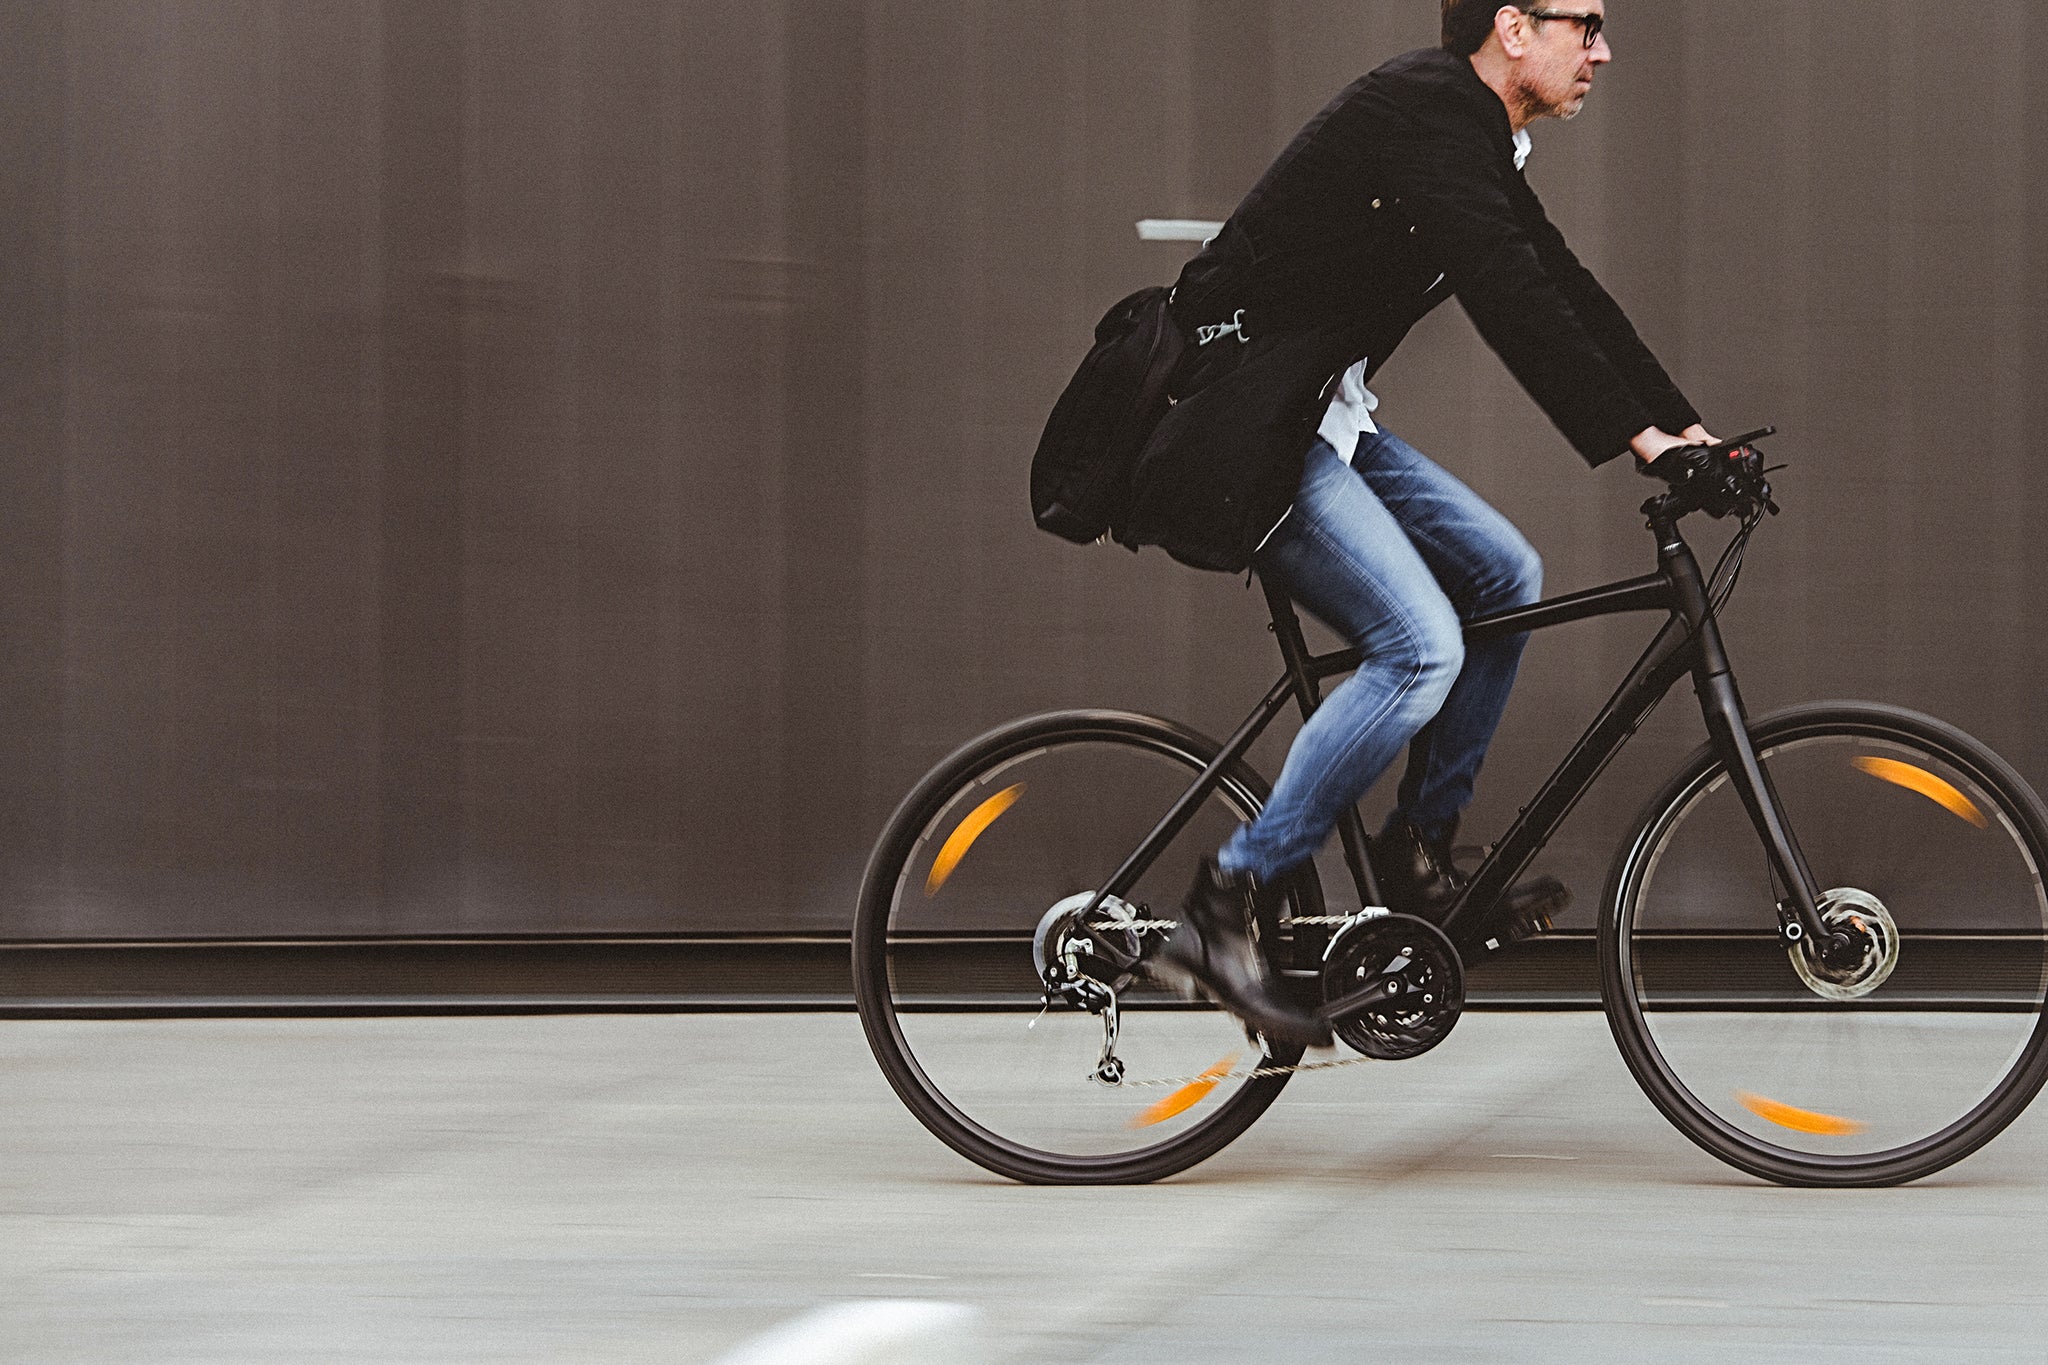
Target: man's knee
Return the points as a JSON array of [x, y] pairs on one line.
[[1437, 652], [1521, 571]]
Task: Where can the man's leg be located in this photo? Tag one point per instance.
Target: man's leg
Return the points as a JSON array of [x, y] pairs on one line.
[[1342, 554], [1483, 564]]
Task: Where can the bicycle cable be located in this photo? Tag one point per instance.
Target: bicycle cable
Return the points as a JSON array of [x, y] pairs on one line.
[[1737, 550]]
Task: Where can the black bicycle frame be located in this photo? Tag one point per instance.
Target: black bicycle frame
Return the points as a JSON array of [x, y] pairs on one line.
[[1690, 642]]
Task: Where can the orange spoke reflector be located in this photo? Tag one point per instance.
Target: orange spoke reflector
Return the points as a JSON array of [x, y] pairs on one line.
[[1798, 1120], [1919, 780], [970, 829], [1188, 1096]]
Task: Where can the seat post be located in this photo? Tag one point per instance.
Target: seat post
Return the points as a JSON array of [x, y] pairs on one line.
[[1309, 693]]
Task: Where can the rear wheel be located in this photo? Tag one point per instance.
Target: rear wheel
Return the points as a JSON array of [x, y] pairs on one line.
[[980, 880], [1884, 1063]]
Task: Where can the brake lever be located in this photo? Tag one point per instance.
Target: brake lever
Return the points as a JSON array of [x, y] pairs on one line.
[[1769, 505]]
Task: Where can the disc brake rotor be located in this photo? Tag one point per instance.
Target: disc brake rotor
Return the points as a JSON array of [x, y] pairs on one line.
[[1874, 939]]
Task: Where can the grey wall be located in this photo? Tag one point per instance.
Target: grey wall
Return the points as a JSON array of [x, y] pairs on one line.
[[512, 465]]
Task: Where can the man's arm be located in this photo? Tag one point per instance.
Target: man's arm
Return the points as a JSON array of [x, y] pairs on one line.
[[1603, 318], [1455, 187]]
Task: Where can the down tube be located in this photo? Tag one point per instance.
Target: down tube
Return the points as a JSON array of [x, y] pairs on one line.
[[1669, 657]]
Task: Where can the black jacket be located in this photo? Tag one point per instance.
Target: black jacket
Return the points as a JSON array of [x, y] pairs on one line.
[[1400, 194]]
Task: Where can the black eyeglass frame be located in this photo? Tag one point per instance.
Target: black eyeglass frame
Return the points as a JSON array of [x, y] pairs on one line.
[[1590, 23]]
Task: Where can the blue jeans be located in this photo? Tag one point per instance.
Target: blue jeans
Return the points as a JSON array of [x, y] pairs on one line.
[[1392, 553]]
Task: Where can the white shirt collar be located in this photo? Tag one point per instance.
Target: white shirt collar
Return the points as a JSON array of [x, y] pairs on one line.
[[1522, 148]]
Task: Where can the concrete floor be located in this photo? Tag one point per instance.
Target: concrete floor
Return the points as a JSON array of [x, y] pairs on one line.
[[662, 1188]]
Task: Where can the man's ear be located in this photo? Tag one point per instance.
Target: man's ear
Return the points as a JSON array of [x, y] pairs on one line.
[[1511, 31]]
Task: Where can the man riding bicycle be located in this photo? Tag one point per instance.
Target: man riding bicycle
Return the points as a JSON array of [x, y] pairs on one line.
[[1405, 191]]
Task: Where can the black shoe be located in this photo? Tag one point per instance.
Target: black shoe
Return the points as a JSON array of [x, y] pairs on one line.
[[1417, 877], [1212, 953], [1415, 874]]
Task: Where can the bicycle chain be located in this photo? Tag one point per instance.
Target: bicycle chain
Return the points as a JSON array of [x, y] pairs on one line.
[[1149, 925], [1255, 1074]]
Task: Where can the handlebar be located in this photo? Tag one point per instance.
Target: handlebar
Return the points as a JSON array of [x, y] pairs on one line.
[[1723, 479]]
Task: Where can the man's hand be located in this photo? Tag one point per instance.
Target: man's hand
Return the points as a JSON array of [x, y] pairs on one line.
[[1650, 442]]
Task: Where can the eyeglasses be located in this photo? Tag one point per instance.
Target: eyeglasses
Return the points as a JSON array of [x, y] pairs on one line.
[[1591, 24]]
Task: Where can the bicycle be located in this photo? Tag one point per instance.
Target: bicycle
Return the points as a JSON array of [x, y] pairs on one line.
[[1823, 945]]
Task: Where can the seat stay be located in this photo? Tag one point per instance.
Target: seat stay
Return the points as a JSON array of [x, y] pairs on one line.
[[1183, 809]]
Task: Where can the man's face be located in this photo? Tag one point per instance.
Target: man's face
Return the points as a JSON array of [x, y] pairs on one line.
[[1556, 70]]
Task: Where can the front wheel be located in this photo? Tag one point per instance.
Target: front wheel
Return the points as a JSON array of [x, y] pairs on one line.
[[1882, 1064], [978, 885]]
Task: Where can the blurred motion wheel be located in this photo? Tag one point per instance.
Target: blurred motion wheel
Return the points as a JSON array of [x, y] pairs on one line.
[[971, 900], [1911, 1045]]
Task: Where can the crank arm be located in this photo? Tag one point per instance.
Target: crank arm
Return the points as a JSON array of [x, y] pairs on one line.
[[1344, 1006]]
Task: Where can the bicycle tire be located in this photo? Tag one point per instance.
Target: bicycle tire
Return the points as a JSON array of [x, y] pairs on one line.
[[1069, 742], [1944, 1047]]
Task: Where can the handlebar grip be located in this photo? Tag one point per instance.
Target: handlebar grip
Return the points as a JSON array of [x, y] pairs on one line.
[[1681, 462]]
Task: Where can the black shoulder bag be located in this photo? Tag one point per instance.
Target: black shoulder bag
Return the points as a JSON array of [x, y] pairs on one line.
[[1081, 475]]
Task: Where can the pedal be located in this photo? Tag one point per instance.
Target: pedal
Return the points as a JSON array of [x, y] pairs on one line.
[[1534, 912]]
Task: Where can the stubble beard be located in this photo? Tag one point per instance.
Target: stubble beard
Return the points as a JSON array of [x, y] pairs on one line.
[[1532, 105]]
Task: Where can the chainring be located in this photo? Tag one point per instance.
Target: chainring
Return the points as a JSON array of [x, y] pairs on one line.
[[1399, 950]]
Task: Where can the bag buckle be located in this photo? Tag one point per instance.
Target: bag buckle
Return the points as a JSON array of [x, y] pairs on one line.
[[1234, 327]]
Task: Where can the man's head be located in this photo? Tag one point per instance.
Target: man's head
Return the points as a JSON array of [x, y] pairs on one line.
[[1539, 58]]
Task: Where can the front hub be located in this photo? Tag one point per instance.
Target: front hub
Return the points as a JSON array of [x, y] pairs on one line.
[[1862, 957]]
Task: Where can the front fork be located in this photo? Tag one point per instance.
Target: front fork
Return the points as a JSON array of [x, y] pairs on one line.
[[1727, 725], [1799, 918]]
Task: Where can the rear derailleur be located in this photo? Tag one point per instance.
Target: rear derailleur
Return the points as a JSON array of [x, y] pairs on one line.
[[1084, 965]]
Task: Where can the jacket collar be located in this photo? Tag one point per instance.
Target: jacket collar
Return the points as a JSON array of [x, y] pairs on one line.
[[1441, 74]]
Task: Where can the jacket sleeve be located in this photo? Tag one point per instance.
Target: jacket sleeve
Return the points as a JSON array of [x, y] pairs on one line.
[[1456, 189], [1602, 317]]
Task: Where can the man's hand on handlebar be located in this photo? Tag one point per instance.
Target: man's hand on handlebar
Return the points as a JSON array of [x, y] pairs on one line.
[[1716, 477], [1649, 443]]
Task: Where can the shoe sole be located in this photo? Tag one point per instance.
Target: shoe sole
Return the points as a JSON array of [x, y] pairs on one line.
[[1276, 1029]]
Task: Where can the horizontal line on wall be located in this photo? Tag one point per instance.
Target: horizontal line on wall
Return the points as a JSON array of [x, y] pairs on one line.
[[551, 973]]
